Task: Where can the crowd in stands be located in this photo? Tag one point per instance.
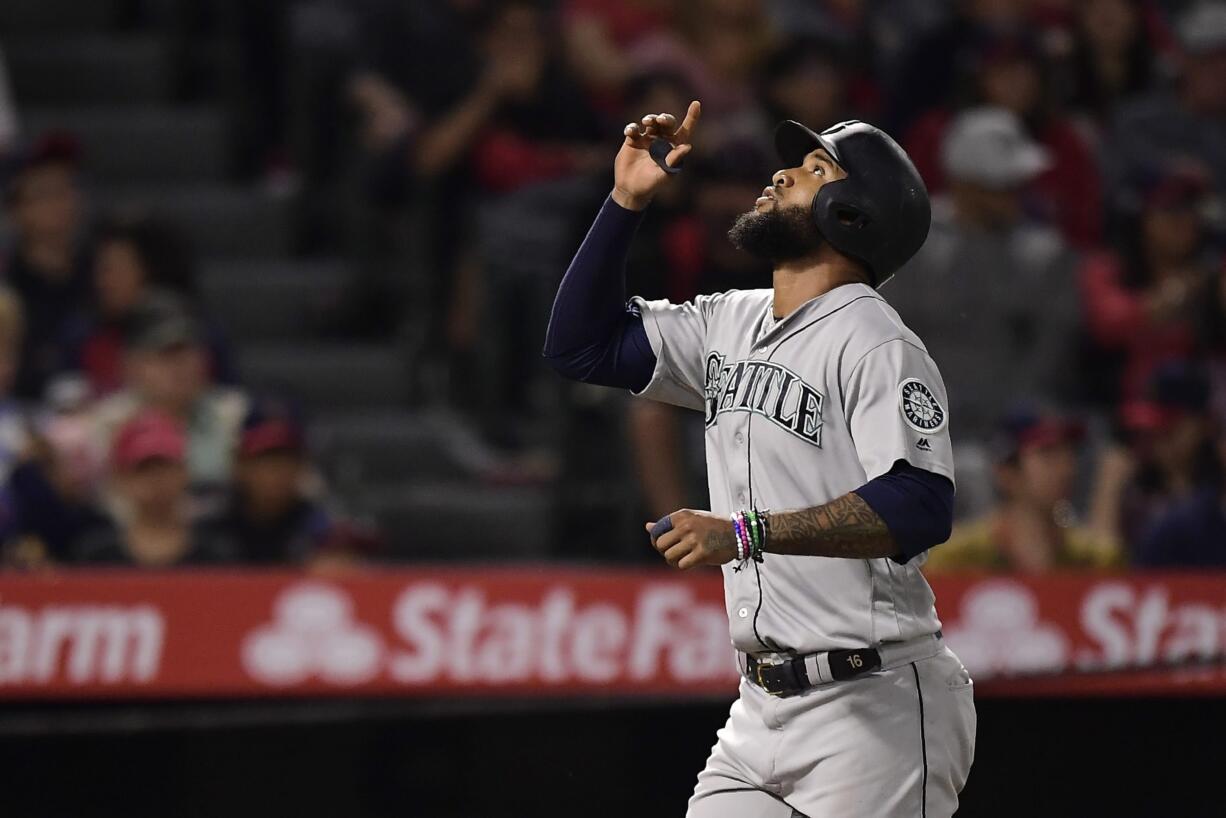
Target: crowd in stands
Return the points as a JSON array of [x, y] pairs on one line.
[[1072, 290], [125, 440]]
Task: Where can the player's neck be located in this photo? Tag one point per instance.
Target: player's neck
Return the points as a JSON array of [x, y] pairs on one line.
[[803, 280]]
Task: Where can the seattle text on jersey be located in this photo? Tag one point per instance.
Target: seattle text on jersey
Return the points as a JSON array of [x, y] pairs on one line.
[[764, 388]]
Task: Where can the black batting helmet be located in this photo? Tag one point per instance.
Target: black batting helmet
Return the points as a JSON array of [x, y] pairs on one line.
[[879, 215]]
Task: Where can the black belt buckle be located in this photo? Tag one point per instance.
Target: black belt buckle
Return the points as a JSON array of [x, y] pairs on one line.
[[848, 664], [781, 679]]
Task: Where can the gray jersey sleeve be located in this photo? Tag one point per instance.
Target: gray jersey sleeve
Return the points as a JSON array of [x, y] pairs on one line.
[[897, 409], [678, 336]]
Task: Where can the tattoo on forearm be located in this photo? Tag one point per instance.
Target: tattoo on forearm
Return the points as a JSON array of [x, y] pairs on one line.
[[846, 527]]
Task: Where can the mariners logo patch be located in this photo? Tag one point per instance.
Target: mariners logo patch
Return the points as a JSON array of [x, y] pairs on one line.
[[921, 409]]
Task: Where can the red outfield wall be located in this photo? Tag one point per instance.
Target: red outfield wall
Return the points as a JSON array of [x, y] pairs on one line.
[[553, 631]]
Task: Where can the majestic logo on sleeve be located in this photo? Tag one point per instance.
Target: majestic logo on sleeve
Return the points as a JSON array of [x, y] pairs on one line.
[[764, 388], [922, 410]]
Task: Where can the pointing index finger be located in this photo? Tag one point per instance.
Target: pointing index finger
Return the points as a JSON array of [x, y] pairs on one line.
[[692, 115]]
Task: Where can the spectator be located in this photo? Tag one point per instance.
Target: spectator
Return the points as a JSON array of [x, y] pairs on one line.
[[1142, 305], [415, 126], [928, 73], [1009, 72], [49, 513], [602, 35], [518, 122], [513, 82], [841, 21], [47, 267], [133, 257], [991, 293], [732, 38], [152, 525], [166, 368], [872, 36], [271, 516], [1033, 528], [805, 81], [54, 487], [1187, 125], [1166, 457], [723, 49], [1192, 534], [544, 126], [718, 47], [534, 167], [1114, 55], [13, 435]]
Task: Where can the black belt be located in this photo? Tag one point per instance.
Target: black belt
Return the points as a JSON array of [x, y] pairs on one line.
[[790, 676]]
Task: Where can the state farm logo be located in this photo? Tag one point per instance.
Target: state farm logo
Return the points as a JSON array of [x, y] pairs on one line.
[[313, 634], [443, 633], [999, 631]]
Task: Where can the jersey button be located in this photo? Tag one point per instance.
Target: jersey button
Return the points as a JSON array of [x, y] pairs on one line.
[[743, 612], [739, 438], [740, 498]]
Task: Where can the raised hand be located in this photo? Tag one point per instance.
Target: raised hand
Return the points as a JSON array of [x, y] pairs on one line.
[[636, 176]]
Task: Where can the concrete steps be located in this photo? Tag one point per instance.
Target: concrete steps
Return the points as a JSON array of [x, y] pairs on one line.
[[56, 16], [327, 375], [220, 220], [260, 300], [154, 145], [89, 69], [462, 521]]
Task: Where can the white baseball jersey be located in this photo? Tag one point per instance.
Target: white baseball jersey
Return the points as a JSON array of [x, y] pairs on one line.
[[798, 413]]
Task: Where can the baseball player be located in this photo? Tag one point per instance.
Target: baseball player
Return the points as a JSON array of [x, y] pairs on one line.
[[829, 465]]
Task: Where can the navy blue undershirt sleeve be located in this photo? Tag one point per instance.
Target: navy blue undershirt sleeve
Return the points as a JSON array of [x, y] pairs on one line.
[[916, 505], [593, 335]]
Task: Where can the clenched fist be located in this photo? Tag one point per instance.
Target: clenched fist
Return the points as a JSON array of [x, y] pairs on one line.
[[696, 538]]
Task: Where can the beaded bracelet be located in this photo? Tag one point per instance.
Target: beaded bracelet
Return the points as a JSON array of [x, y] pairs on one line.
[[744, 543], [756, 527], [742, 536]]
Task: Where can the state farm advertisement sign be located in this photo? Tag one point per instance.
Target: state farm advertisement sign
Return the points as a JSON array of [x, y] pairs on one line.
[[500, 632], [1135, 634], [538, 635], [551, 632]]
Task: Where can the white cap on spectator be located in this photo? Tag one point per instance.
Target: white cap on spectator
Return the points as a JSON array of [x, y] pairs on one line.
[[989, 147], [1202, 29]]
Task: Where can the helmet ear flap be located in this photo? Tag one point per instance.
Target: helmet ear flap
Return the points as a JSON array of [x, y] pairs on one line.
[[839, 213], [851, 217], [830, 215], [843, 224]]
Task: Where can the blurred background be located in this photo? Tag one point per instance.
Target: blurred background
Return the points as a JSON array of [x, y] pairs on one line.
[[274, 281]]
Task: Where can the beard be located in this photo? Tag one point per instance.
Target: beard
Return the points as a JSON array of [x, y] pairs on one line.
[[778, 234]]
